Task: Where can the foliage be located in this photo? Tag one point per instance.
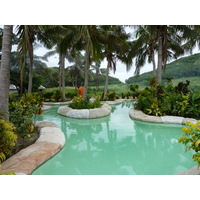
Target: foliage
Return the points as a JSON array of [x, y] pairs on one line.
[[191, 139], [79, 103], [71, 95], [135, 90], [167, 99], [57, 95], [111, 96], [23, 114], [48, 95], [7, 139], [183, 68]]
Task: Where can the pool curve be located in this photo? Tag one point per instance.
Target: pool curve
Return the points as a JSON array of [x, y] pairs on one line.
[[116, 145]]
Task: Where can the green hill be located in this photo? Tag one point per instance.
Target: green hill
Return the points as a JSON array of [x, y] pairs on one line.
[[186, 68]]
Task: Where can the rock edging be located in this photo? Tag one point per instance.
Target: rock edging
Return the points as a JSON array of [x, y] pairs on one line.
[[51, 141], [139, 115], [103, 111]]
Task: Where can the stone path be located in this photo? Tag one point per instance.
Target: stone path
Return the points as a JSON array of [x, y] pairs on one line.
[[51, 141]]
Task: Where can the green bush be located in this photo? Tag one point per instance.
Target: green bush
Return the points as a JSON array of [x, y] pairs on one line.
[[57, 95], [23, 114], [79, 103], [48, 95], [191, 139], [70, 95], [166, 99], [111, 96], [7, 139]]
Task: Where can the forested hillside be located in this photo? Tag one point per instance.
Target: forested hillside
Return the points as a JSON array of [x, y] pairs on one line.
[[181, 69]]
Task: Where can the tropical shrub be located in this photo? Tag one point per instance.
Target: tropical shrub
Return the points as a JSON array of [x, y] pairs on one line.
[[191, 139], [135, 90], [48, 95], [166, 99], [7, 139], [23, 114], [79, 103], [57, 95], [70, 95]]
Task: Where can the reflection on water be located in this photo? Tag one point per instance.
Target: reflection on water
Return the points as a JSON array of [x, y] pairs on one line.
[[116, 144]]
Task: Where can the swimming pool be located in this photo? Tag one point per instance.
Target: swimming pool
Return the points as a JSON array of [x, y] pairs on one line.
[[116, 145]]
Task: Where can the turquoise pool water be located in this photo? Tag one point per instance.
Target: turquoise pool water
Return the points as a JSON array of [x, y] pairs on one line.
[[116, 145]]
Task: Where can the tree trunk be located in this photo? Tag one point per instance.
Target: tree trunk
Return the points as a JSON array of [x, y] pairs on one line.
[[87, 66], [106, 83], [154, 64], [30, 78], [97, 79], [159, 70], [5, 70], [62, 69]]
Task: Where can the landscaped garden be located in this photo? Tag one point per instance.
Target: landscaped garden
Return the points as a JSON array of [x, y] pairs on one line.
[[101, 136]]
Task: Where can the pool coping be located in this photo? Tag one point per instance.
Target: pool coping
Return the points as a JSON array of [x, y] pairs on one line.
[[139, 115], [50, 142], [103, 111]]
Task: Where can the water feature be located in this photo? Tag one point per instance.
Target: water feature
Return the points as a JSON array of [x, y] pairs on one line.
[[116, 144]]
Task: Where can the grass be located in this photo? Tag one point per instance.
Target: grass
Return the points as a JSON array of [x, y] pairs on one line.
[[93, 91]]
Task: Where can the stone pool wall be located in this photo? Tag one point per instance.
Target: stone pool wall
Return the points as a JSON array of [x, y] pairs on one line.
[[51, 141], [139, 115], [103, 111]]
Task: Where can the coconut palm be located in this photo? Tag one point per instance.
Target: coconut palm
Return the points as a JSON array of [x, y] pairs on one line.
[[27, 37], [145, 46], [90, 36], [163, 39], [115, 43], [76, 71], [98, 71], [5, 69]]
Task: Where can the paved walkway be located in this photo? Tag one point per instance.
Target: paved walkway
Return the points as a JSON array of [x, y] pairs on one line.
[[51, 141]]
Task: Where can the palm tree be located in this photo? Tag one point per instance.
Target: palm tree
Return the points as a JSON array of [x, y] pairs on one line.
[[98, 71], [145, 46], [76, 71], [169, 46], [62, 56], [27, 36], [115, 44], [89, 35], [163, 39], [5, 70]]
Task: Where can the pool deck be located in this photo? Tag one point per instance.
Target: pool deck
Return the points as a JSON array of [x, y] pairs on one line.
[[50, 141]]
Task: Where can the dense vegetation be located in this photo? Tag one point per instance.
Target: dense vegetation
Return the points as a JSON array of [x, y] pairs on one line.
[[79, 103], [187, 68], [85, 47], [160, 100]]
